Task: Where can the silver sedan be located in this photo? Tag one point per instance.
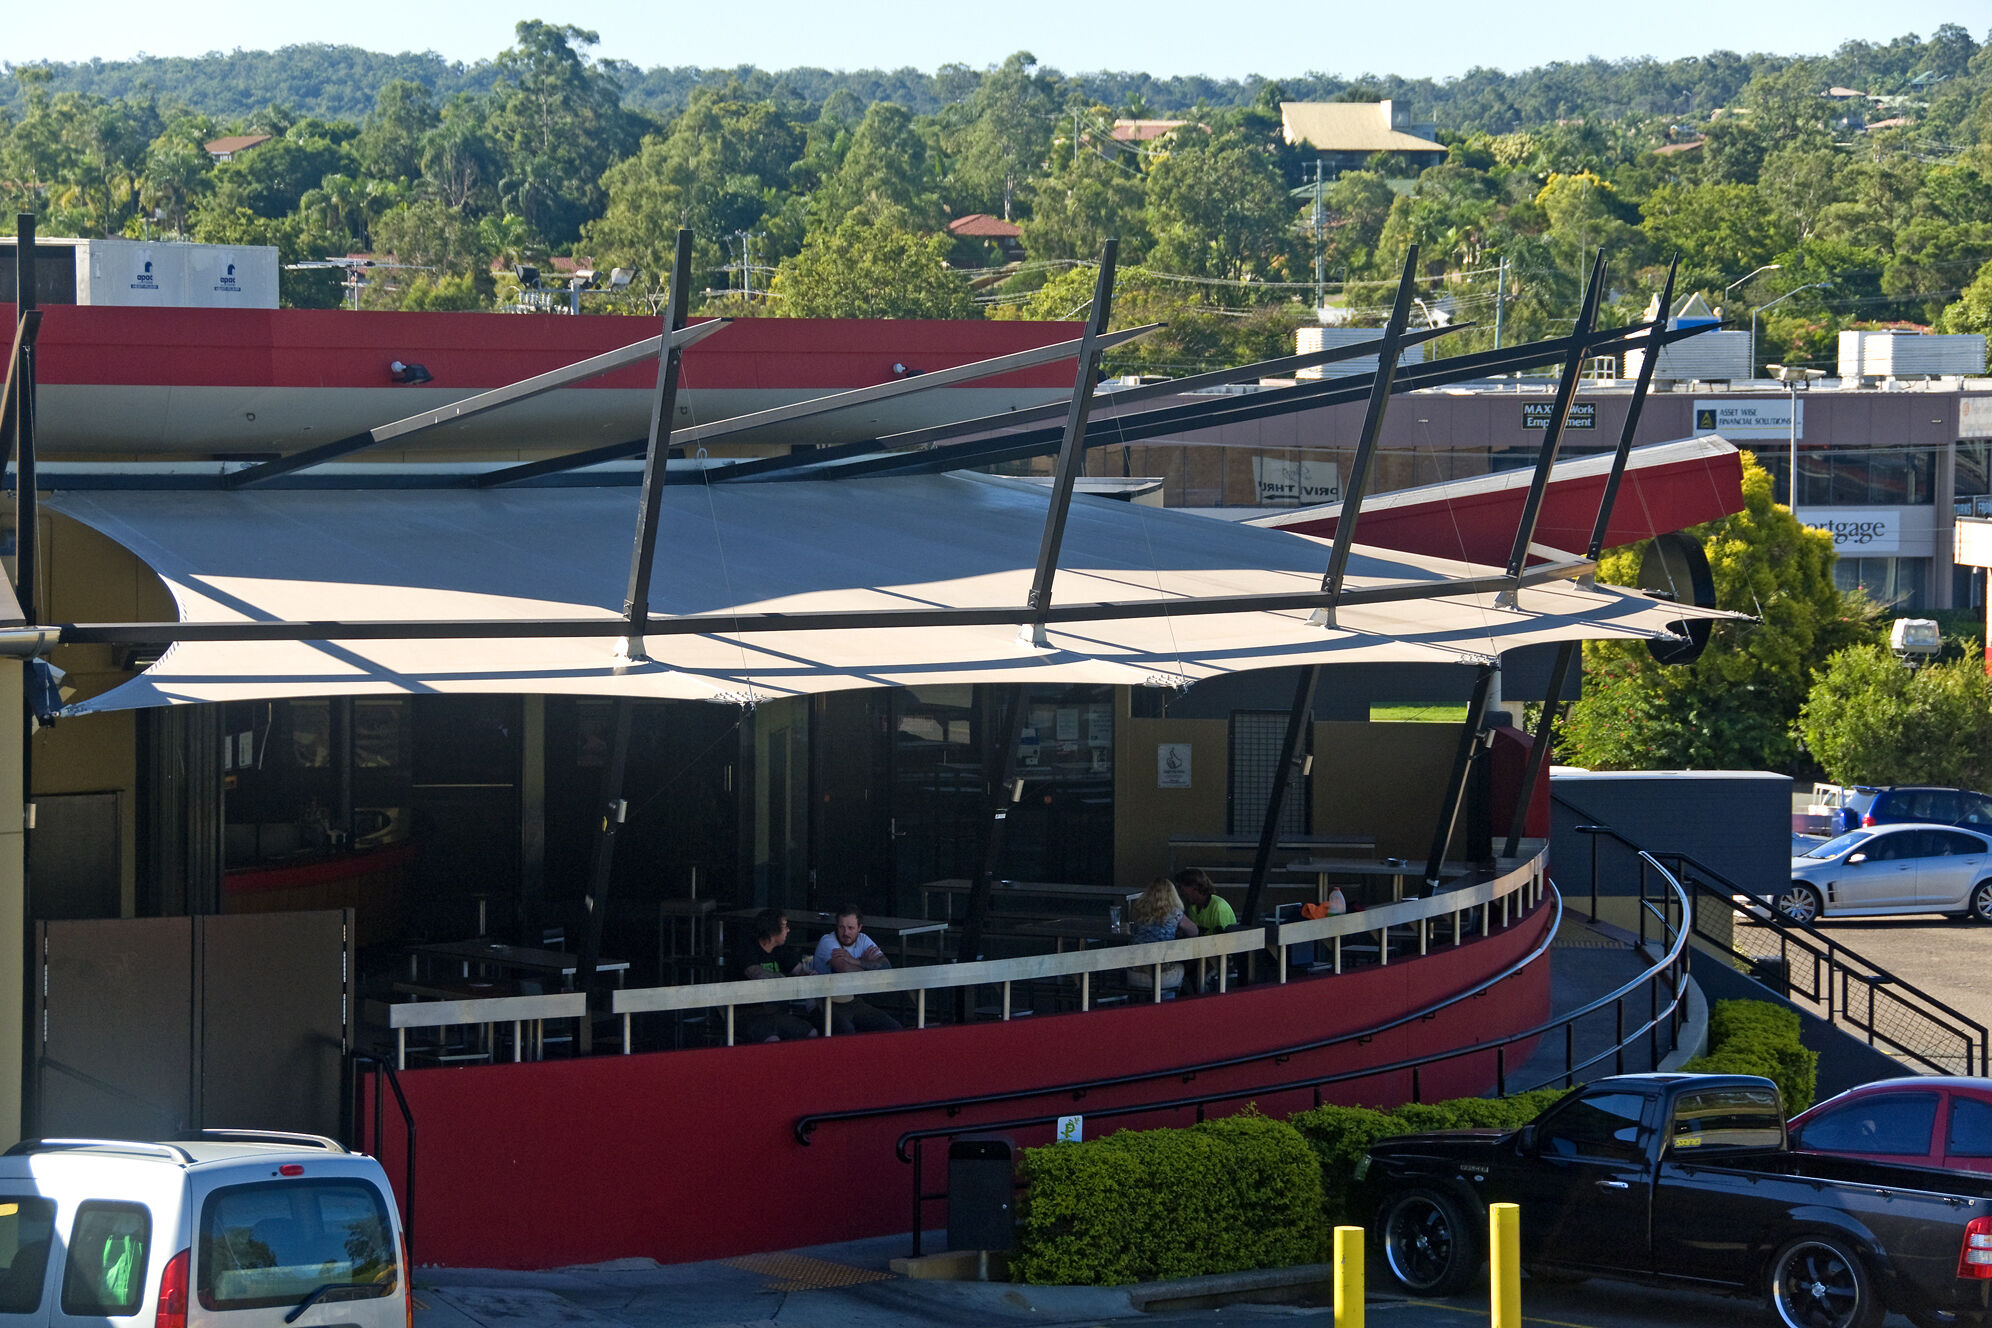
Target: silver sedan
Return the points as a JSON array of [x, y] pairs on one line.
[[1892, 869]]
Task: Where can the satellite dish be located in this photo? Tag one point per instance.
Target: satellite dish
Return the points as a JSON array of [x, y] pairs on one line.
[[1675, 568]]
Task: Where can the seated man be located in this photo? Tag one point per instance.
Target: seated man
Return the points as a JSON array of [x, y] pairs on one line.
[[1208, 909], [762, 954], [849, 950]]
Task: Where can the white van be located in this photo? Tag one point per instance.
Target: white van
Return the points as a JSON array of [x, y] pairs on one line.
[[234, 1229]]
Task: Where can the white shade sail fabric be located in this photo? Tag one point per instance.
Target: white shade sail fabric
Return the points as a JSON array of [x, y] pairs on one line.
[[940, 541]]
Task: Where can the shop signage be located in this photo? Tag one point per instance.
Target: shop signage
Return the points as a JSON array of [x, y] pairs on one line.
[[1768, 418], [1296, 481], [1172, 765], [1582, 415], [1858, 532]]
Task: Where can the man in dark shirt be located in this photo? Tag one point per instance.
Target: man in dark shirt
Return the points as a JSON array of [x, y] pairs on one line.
[[764, 954]]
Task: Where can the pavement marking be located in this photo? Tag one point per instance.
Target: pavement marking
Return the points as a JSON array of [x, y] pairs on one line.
[[795, 1272], [1479, 1310], [1580, 937]]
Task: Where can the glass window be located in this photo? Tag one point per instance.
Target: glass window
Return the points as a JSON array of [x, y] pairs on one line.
[[1891, 582], [1892, 848], [274, 1243], [1894, 1124], [1257, 737], [108, 1245], [1727, 1118], [1970, 1127], [26, 1225], [1976, 810], [1599, 1125], [1947, 844]]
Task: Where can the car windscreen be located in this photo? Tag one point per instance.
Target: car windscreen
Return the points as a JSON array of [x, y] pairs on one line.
[[27, 1223], [277, 1242], [1839, 844]]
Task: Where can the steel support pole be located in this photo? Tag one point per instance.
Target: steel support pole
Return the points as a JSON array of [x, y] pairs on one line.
[[603, 861], [26, 517], [1552, 434], [1469, 739], [1539, 751], [1296, 727], [663, 406], [1647, 362], [1359, 469], [1001, 766], [1071, 451]]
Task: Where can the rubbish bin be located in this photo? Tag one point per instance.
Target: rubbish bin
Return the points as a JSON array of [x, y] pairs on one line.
[[1774, 971], [981, 1193]]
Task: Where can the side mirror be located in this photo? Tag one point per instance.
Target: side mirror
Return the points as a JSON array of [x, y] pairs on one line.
[[1854, 859], [1526, 1140]]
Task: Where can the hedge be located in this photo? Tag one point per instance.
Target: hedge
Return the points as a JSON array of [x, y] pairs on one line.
[[1757, 1037], [1151, 1205]]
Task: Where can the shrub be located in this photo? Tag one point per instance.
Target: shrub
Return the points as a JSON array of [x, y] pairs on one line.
[[1145, 1205], [1758, 1037]]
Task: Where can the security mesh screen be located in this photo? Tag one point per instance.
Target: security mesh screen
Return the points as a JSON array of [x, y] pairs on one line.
[[1255, 753]]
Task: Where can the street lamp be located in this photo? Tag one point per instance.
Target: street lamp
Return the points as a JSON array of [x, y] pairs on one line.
[[1762, 308], [1768, 267], [1796, 379]]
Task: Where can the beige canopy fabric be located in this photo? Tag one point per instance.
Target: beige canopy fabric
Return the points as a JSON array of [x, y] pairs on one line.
[[948, 541]]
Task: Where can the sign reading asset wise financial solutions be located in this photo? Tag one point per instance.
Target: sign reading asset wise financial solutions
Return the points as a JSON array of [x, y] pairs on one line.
[[1582, 415], [1769, 418], [1858, 532]]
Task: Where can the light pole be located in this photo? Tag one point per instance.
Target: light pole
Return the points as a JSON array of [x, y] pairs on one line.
[[1763, 308], [1768, 267], [1796, 380]]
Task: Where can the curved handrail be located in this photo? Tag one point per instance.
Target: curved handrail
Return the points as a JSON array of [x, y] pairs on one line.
[[805, 1125]]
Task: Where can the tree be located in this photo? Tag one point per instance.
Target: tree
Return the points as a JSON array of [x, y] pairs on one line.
[[871, 269], [1973, 310], [1005, 138], [884, 170], [390, 143], [1721, 231], [1735, 707], [1217, 207], [460, 161], [1093, 197], [558, 120], [1870, 720]]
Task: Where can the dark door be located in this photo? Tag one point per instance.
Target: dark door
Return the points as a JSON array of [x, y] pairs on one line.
[[73, 857], [1584, 1201], [849, 824]]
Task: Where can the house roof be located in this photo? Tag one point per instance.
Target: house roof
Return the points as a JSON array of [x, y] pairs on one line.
[[982, 226], [1143, 131], [1349, 126], [234, 143], [1673, 149]]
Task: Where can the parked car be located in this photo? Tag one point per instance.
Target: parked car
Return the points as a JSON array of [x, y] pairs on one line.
[[236, 1229], [1890, 870], [1687, 1179], [1929, 1120], [1898, 804]]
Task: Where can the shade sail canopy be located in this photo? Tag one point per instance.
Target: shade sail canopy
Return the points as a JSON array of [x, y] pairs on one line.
[[957, 541]]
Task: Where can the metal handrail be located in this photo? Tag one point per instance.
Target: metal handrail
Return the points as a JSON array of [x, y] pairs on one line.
[[385, 1073], [1836, 969]]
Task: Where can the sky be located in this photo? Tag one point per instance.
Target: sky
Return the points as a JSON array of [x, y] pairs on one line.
[[1436, 38]]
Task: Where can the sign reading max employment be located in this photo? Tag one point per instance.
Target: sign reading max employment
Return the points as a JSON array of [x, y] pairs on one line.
[[1583, 415], [1769, 418]]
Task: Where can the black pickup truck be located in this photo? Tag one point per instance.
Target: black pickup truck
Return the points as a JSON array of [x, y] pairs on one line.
[[1687, 1179]]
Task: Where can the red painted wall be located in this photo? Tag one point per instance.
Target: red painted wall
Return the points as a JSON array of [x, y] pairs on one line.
[[90, 344], [691, 1154]]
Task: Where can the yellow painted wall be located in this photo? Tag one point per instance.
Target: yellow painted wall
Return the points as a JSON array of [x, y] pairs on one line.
[[1146, 815]]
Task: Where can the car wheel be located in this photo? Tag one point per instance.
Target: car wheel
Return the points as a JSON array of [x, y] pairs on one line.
[[1817, 1282], [1428, 1244], [1799, 903], [1981, 902]]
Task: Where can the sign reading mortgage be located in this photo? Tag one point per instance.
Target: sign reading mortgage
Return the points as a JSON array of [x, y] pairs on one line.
[[1582, 415], [1769, 418], [1858, 532]]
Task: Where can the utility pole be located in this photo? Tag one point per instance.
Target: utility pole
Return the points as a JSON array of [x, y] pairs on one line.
[[1320, 253], [1500, 301]]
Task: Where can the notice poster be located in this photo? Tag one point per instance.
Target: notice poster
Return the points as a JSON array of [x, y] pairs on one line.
[[1172, 765]]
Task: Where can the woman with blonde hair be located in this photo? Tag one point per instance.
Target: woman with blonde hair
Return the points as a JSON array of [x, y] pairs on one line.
[[1157, 915]]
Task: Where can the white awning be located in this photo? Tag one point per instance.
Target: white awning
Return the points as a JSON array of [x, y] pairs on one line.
[[941, 541]]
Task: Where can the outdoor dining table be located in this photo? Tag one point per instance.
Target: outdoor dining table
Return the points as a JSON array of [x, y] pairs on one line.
[[879, 927], [1395, 870], [496, 955], [1083, 929]]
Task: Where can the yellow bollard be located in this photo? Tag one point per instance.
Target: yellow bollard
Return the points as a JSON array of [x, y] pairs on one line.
[[1504, 1264], [1348, 1277]]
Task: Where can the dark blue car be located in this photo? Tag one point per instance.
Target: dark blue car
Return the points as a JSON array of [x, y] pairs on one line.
[[1903, 803]]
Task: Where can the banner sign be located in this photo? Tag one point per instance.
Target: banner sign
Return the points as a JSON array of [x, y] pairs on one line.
[[1859, 532], [1582, 415], [1768, 418], [1296, 481]]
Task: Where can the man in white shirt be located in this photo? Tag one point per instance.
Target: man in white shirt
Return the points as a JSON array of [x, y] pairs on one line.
[[848, 950]]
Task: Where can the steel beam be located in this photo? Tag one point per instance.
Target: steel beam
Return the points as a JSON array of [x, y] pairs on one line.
[[636, 604], [1001, 766], [1552, 434], [27, 517], [815, 406], [1469, 740], [1651, 358], [1359, 469], [1071, 450], [470, 407], [1269, 826], [1566, 654]]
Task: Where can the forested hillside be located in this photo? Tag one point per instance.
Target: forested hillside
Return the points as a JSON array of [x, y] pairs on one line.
[[1821, 192]]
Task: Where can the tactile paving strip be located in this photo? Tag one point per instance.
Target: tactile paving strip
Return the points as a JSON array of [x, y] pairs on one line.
[[1581, 937], [794, 1272]]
